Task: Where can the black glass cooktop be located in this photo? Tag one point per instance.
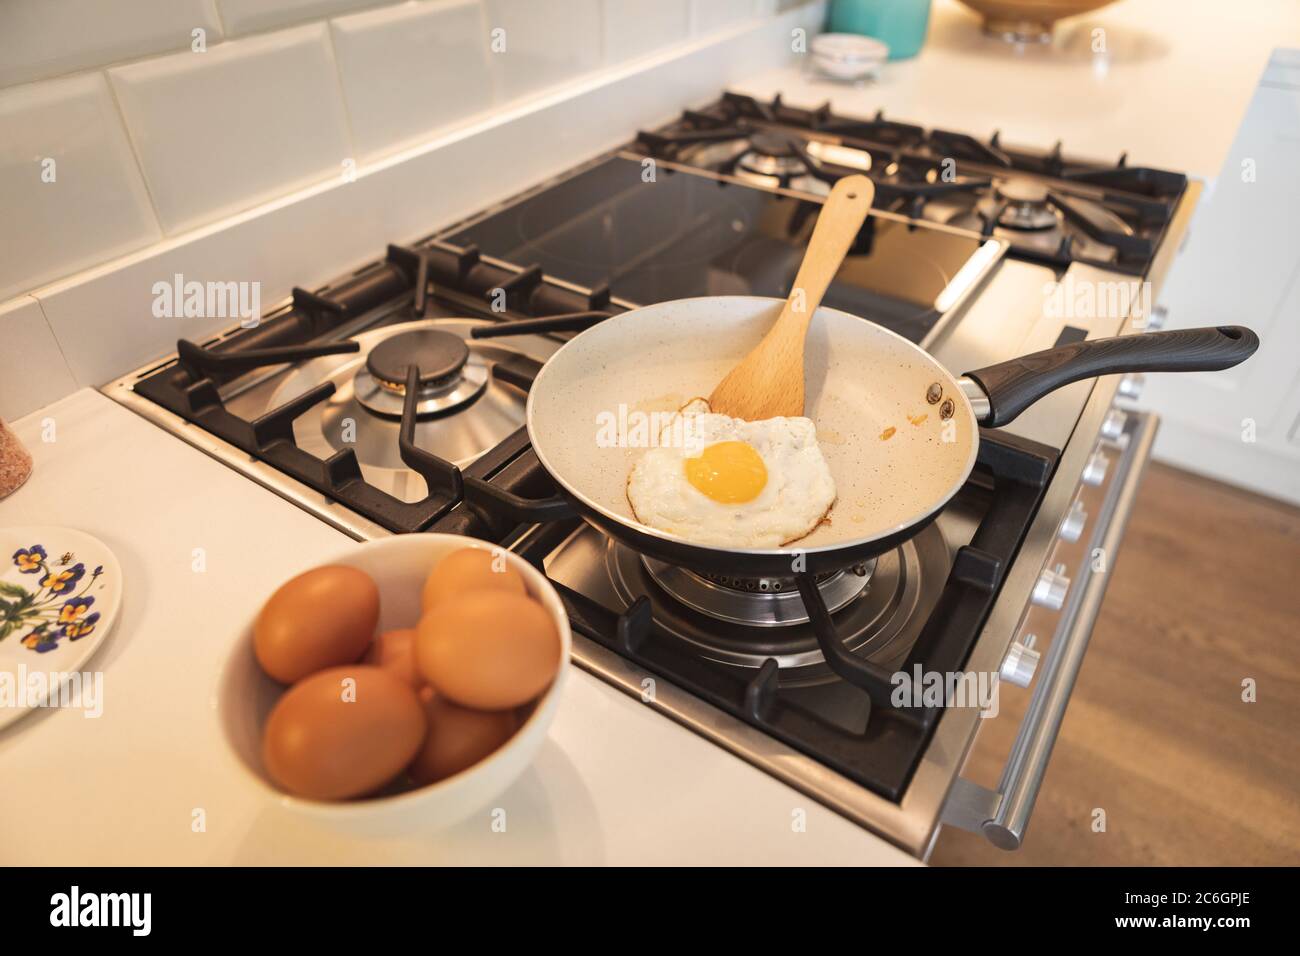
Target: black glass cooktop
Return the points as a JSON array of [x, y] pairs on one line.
[[682, 234]]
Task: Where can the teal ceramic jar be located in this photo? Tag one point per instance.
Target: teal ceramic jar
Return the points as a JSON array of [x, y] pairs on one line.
[[900, 24]]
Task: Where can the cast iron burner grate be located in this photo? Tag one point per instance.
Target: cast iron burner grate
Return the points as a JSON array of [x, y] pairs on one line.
[[410, 369], [912, 166]]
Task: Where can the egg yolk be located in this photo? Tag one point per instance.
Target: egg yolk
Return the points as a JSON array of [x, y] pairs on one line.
[[730, 472]]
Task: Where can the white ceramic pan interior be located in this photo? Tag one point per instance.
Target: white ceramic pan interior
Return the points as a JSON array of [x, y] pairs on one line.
[[861, 381]]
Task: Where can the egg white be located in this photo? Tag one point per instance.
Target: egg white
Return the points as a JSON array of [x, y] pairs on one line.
[[797, 497]]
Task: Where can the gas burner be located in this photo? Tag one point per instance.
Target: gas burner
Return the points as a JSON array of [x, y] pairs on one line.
[[718, 155], [772, 162], [877, 608], [463, 410], [765, 602], [438, 355], [449, 378], [771, 154], [1020, 204], [1027, 214]]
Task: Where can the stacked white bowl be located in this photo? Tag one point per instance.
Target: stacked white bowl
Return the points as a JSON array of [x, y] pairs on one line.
[[848, 56]]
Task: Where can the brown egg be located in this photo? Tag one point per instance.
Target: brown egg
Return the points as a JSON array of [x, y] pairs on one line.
[[458, 737], [395, 651], [321, 618], [490, 650], [470, 569], [342, 732]]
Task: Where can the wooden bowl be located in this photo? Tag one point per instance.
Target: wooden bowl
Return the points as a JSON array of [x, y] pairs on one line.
[[1028, 21]]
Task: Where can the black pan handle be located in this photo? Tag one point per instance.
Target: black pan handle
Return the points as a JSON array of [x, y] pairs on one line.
[[1013, 386]]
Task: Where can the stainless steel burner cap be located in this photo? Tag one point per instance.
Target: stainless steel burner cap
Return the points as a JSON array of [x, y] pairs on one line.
[[765, 602], [1022, 190], [771, 154], [439, 355], [771, 144], [440, 399], [449, 379], [1019, 204]]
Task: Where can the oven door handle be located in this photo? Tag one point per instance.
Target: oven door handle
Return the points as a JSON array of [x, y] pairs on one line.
[[1002, 815]]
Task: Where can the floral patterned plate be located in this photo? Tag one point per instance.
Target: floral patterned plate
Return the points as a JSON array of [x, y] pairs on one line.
[[60, 590]]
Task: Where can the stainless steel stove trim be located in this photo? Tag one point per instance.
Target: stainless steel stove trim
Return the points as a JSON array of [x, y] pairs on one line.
[[955, 735], [1175, 238], [1002, 815], [343, 519]]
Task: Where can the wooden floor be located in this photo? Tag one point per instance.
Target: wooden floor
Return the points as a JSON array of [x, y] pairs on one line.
[[1205, 593]]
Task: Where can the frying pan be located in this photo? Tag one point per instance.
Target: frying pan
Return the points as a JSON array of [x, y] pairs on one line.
[[898, 430]]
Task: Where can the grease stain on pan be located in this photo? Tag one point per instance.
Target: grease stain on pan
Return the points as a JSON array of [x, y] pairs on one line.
[[671, 402]]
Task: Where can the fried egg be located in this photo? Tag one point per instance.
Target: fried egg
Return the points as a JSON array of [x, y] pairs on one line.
[[726, 482]]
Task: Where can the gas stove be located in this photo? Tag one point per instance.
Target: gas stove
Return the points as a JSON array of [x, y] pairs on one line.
[[392, 401]]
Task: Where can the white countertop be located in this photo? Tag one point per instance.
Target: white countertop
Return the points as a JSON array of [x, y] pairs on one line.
[[1170, 90], [615, 782]]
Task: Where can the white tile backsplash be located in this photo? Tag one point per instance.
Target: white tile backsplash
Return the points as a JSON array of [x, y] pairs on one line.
[[147, 147], [106, 326], [545, 43], [222, 131], [32, 370], [250, 16], [713, 15], [410, 69], [634, 28], [70, 190], [40, 38]]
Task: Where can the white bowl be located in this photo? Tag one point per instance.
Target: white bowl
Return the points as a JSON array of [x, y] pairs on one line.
[[399, 565], [847, 56]]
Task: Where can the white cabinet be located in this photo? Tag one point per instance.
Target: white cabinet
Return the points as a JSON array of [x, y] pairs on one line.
[[1241, 266]]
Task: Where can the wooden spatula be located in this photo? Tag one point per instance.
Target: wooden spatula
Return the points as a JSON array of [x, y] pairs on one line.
[[769, 380]]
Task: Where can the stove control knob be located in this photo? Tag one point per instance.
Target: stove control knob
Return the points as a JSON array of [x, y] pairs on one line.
[[1112, 427], [1073, 523], [1130, 386], [1021, 661], [1156, 321], [1094, 472], [1050, 588]]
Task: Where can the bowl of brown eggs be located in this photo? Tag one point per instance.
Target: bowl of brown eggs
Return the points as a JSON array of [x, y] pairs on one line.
[[403, 683]]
